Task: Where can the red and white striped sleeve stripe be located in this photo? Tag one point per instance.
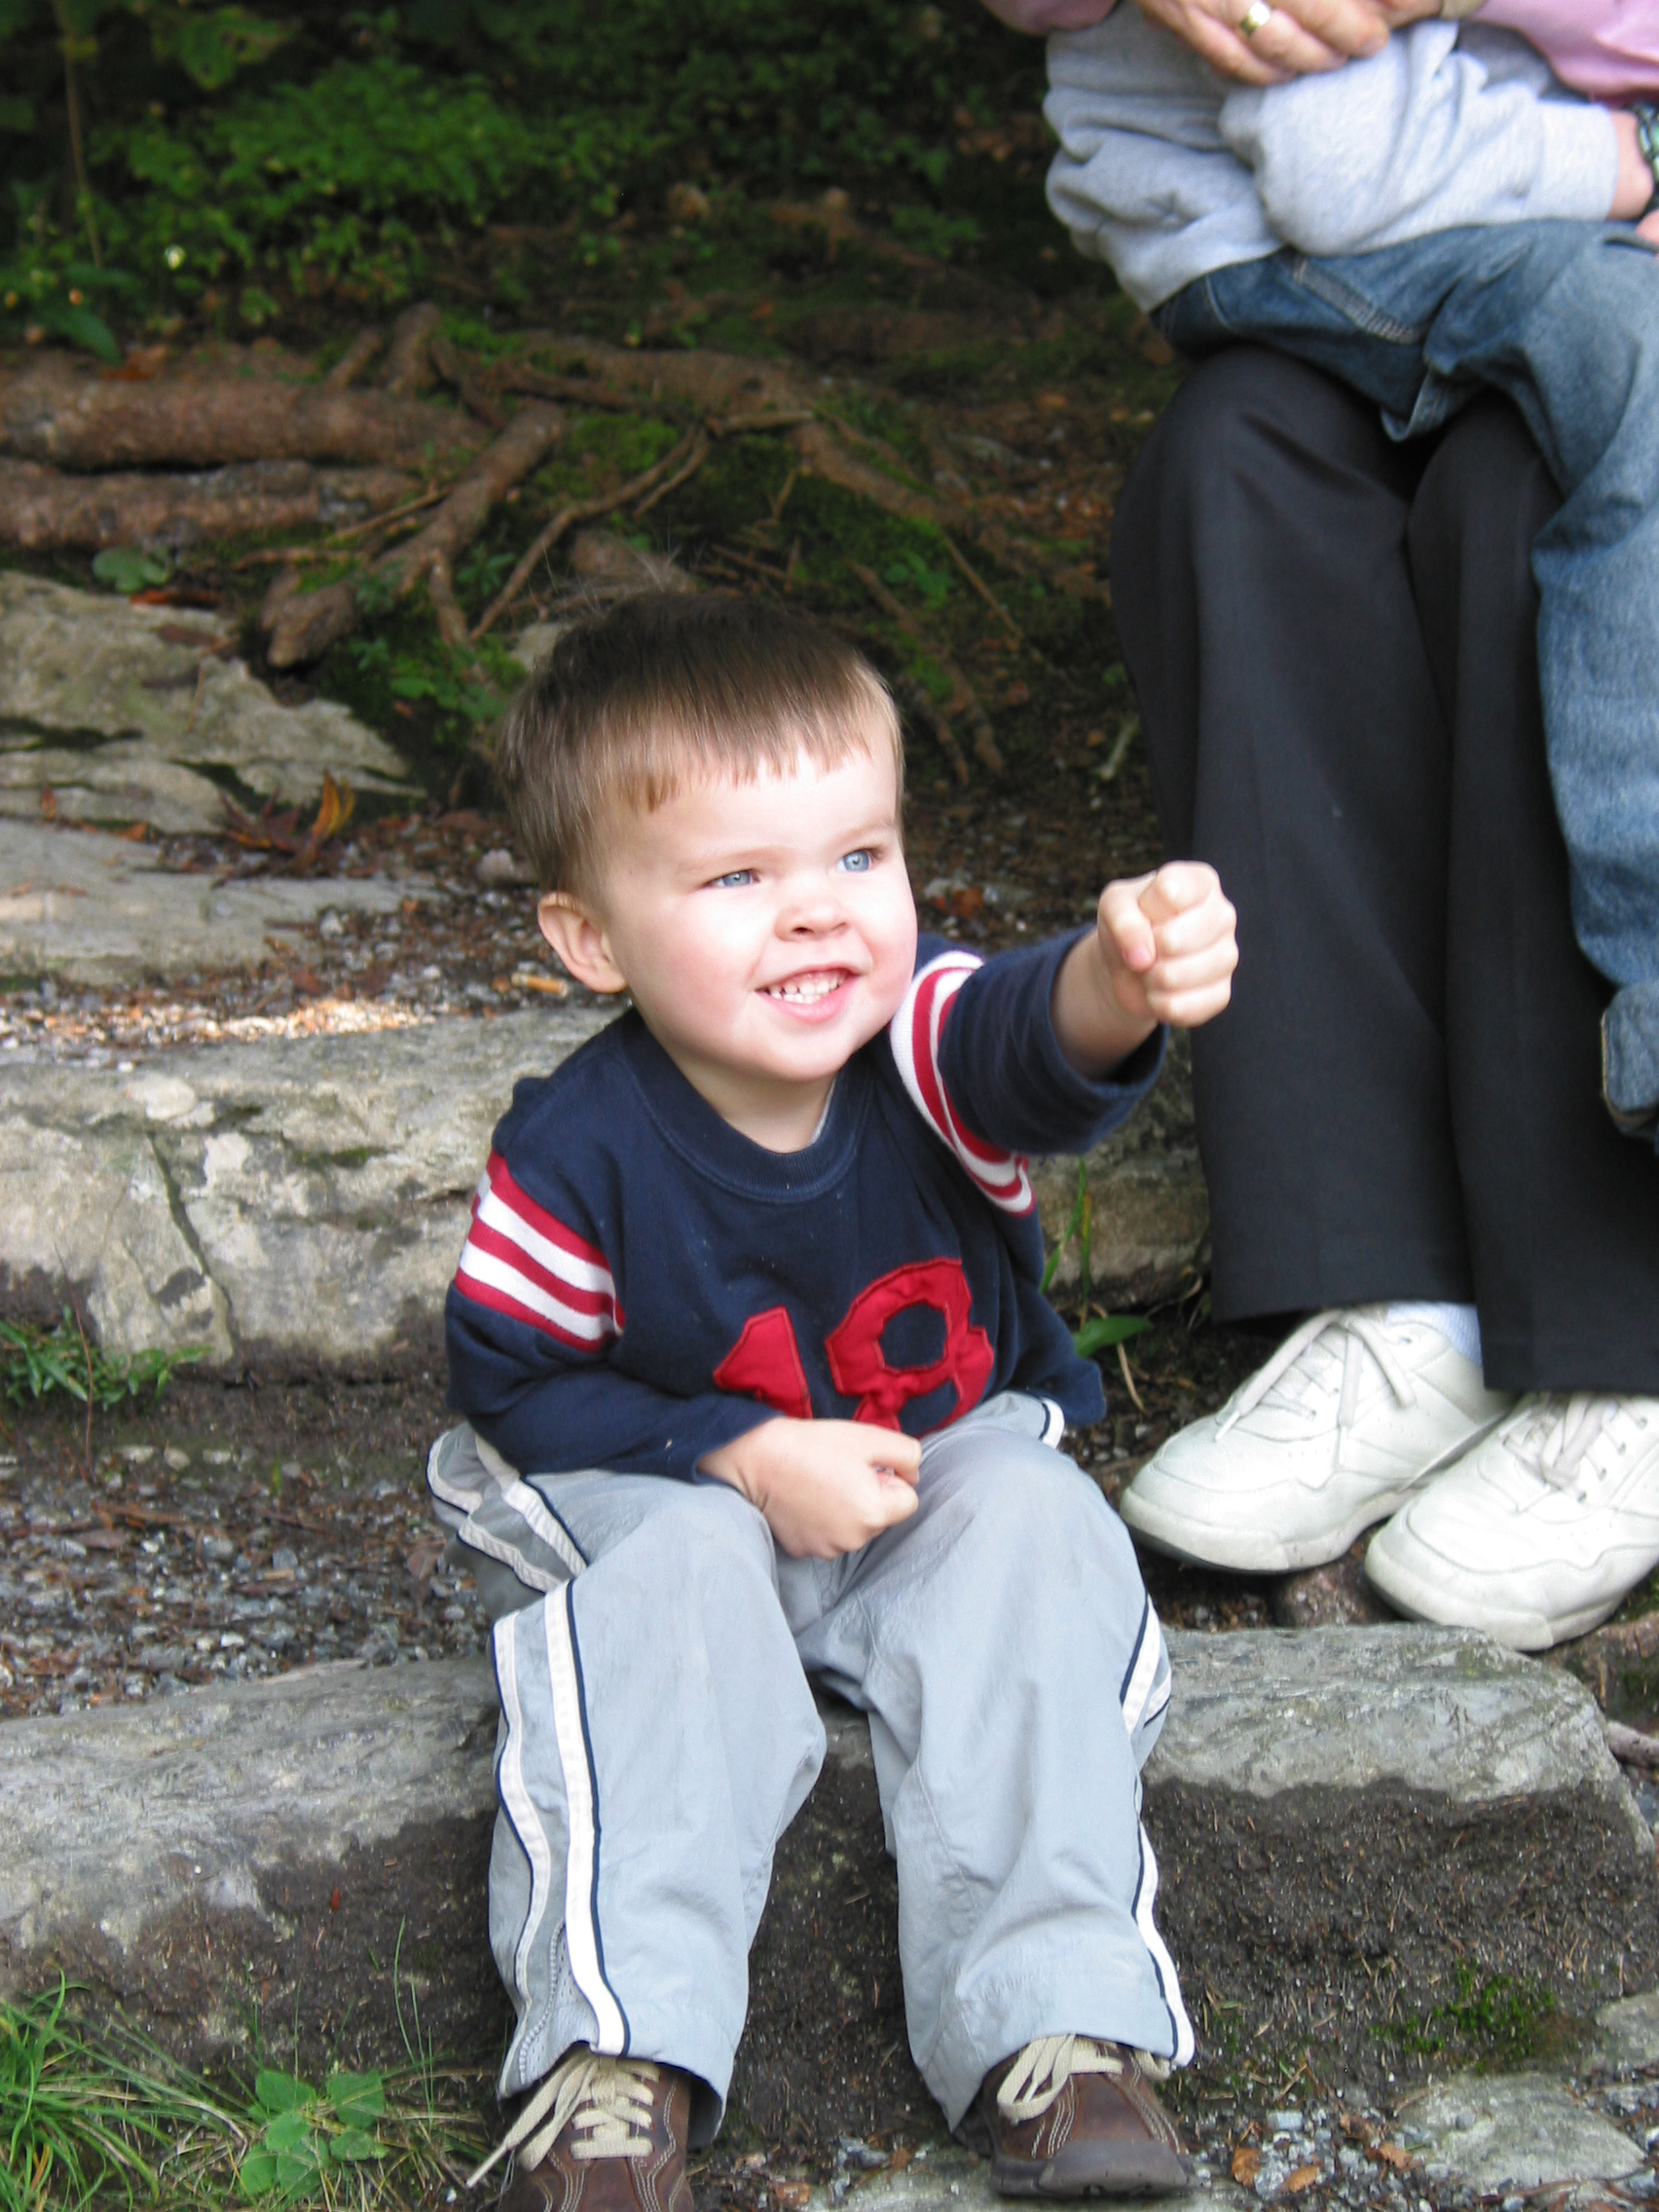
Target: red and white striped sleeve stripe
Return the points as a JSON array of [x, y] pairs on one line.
[[917, 1033], [521, 1261]]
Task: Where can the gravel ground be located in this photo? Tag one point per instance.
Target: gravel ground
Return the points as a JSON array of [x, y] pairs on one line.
[[234, 1529]]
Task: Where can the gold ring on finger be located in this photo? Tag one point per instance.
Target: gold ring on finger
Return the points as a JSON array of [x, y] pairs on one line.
[[1256, 17]]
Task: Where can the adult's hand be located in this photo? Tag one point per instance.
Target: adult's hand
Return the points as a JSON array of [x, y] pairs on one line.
[[1300, 36]]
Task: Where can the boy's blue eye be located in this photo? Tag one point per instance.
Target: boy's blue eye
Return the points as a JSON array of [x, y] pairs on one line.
[[859, 862], [735, 881]]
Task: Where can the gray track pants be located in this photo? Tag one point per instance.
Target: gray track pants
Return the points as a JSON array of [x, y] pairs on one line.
[[657, 1736]]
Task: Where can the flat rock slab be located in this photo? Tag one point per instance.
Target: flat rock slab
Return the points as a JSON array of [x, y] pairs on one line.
[[308, 1197], [1627, 2034], [143, 713], [1519, 2131], [1347, 1818], [263, 1852], [83, 907], [303, 1196], [944, 2179]]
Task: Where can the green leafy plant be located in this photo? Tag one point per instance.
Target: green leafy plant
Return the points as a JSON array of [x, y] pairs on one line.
[[35, 1362], [1105, 1330], [933, 585], [129, 568], [303, 2133], [230, 153], [48, 302]]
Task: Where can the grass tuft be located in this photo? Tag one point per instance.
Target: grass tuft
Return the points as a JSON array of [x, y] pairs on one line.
[[100, 2117]]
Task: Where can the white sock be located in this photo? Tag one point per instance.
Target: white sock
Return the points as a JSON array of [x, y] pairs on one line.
[[1459, 1325]]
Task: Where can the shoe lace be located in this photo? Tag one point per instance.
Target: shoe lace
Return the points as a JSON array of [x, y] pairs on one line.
[[607, 2103], [1308, 1366], [1569, 1441], [1047, 2064]]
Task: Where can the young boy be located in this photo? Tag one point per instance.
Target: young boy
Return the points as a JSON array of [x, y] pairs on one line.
[[761, 1382], [1442, 216]]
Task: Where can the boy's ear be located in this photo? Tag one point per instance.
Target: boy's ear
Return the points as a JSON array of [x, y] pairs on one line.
[[578, 936]]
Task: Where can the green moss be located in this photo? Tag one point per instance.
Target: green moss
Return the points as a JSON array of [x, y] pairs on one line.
[[1496, 2022]]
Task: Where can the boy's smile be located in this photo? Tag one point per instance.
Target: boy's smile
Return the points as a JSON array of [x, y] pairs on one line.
[[764, 928]]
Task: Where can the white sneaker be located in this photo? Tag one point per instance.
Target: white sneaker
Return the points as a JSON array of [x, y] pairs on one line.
[[1537, 1533], [1349, 1415]]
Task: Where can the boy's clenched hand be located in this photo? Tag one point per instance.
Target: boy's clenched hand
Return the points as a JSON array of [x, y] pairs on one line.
[[826, 1486], [1164, 949]]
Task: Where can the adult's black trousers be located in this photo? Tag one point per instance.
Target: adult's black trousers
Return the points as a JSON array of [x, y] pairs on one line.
[[1333, 638]]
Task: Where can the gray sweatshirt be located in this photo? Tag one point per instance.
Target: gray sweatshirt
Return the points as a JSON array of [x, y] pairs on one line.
[[1167, 170]]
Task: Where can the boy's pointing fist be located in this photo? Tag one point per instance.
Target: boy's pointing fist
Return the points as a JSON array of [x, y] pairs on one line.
[[1164, 949]]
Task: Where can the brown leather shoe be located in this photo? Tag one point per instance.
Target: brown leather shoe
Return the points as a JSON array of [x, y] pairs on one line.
[[1070, 2117], [601, 2135]]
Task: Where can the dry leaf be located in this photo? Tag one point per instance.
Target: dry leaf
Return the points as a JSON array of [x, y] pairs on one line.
[[1304, 2178], [1392, 2155], [792, 2195], [1246, 2165]]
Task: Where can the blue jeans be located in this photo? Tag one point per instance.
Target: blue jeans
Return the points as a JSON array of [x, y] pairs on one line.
[[1563, 319]]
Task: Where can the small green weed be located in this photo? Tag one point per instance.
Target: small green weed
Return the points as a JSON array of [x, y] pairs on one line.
[[303, 2133], [128, 568], [35, 1362], [1098, 1332]]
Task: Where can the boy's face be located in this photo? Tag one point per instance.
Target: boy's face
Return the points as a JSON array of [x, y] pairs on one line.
[[765, 929]]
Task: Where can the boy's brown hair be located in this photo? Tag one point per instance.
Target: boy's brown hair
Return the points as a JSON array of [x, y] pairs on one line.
[[660, 690]]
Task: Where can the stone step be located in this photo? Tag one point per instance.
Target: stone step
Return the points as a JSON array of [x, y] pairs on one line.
[[307, 1196], [1342, 1818]]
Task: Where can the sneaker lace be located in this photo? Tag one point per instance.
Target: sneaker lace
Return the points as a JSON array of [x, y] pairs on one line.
[[1569, 1442], [607, 2103], [1045, 2065], [1308, 1366]]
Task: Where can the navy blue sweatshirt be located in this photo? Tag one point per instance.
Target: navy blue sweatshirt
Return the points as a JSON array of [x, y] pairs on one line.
[[641, 1283]]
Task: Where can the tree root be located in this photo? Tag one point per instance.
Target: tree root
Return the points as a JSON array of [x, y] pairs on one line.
[[303, 625], [40, 509], [584, 510], [964, 699]]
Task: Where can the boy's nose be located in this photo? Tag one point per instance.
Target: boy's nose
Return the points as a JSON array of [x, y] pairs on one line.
[[811, 912]]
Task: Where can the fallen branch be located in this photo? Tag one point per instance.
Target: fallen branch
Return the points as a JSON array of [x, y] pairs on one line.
[[57, 412], [688, 469], [963, 694], [1631, 1745], [567, 519], [983, 589], [467, 386], [303, 625], [918, 699], [40, 509], [356, 358], [406, 354]]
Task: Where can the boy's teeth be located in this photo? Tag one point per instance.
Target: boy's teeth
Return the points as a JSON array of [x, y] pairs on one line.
[[807, 988]]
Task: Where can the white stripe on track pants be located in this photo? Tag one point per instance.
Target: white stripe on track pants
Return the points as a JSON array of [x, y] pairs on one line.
[[658, 1735]]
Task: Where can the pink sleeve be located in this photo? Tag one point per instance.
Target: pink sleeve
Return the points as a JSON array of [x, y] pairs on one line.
[[1052, 15], [1608, 49]]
